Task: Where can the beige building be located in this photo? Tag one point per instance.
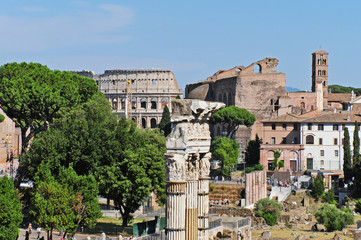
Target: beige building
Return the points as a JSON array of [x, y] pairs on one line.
[[10, 141], [150, 91]]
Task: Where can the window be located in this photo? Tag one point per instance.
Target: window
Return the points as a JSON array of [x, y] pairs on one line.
[[322, 153], [273, 140], [322, 162], [273, 126], [336, 153], [295, 127], [335, 141], [309, 126], [284, 140], [335, 127], [284, 126], [295, 140], [320, 141], [309, 139], [320, 127]]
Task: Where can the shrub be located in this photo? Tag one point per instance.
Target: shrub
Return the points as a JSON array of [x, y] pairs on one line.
[[258, 167], [329, 197], [211, 188], [358, 205], [2, 118], [317, 187], [269, 209], [334, 218], [249, 169]]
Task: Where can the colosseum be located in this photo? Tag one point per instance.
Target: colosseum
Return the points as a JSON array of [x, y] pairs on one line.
[[149, 91]]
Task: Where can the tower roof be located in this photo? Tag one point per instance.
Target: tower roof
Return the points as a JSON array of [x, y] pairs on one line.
[[320, 51]]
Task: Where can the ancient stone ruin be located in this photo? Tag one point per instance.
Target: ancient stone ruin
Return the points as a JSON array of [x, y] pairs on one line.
[[187, 169]]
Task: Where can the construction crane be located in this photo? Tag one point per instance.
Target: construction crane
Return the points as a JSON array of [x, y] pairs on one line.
[[128, 99]]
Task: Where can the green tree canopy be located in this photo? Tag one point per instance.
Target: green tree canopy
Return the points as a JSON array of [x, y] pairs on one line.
[[226, 150], [33, 95], [83, 137], [165, 124], [64, 201], [342, 89], [317, 187], [253, 151], [347, 164], [334, 218], [231, 118], [10, 210], [137, 168]]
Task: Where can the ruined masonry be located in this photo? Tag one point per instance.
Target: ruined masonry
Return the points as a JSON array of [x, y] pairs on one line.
[[187, 169]]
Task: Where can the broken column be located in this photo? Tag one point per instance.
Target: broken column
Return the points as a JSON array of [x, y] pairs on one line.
[[187, 169]]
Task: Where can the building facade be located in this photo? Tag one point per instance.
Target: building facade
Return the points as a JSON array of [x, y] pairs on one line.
[[148, 91]]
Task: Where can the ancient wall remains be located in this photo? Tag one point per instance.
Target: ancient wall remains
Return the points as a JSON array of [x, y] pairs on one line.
[[256, 186]]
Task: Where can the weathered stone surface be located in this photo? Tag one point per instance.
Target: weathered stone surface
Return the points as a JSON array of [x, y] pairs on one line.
[[187, 165], [266, 235]]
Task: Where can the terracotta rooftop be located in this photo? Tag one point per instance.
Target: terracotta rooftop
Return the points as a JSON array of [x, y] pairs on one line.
[[343, 117], [288, 117], [321, 51], [339, 97]]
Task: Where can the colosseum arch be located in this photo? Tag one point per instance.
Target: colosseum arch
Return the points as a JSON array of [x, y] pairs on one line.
[[153, 123]]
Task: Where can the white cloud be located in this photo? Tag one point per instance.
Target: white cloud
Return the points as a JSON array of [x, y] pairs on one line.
[[27, 33]]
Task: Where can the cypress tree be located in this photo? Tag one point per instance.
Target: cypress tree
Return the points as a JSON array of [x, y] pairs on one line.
[[356, 147], [165, 121], [347, 164]]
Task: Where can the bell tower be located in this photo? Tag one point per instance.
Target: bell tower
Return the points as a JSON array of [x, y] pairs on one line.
[[320, 74]]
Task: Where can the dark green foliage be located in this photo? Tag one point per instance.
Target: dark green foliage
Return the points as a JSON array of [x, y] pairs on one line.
[[252, 151], [257, 167], [231, 117], [177, 97], [83, 137], [34, 95], [358, 205], [227, 151], [10, 210], [334, 218], [165, 124], [269, 209], [342, 89], [329, 197], [136, 170], [2, 117], [356, 148], [347, 164], [317, 187]]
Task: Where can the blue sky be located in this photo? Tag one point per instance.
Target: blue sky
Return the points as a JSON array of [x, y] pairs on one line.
[[194, 39]]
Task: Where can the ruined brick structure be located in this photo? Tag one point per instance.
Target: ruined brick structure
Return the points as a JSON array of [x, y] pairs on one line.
[[150, 90], [257, 88]]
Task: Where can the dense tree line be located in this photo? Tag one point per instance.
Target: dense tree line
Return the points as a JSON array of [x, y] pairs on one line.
[[342, 89], [78, 148]]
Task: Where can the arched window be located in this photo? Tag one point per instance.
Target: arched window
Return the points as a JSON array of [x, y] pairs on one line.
[[218, 131], [115, 104], [153, 123], [153, 103], [164, 102], [144, 123], [134, 103], [143, 103], [302, 105], [220, 98], [257, 68], [309, 139]]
